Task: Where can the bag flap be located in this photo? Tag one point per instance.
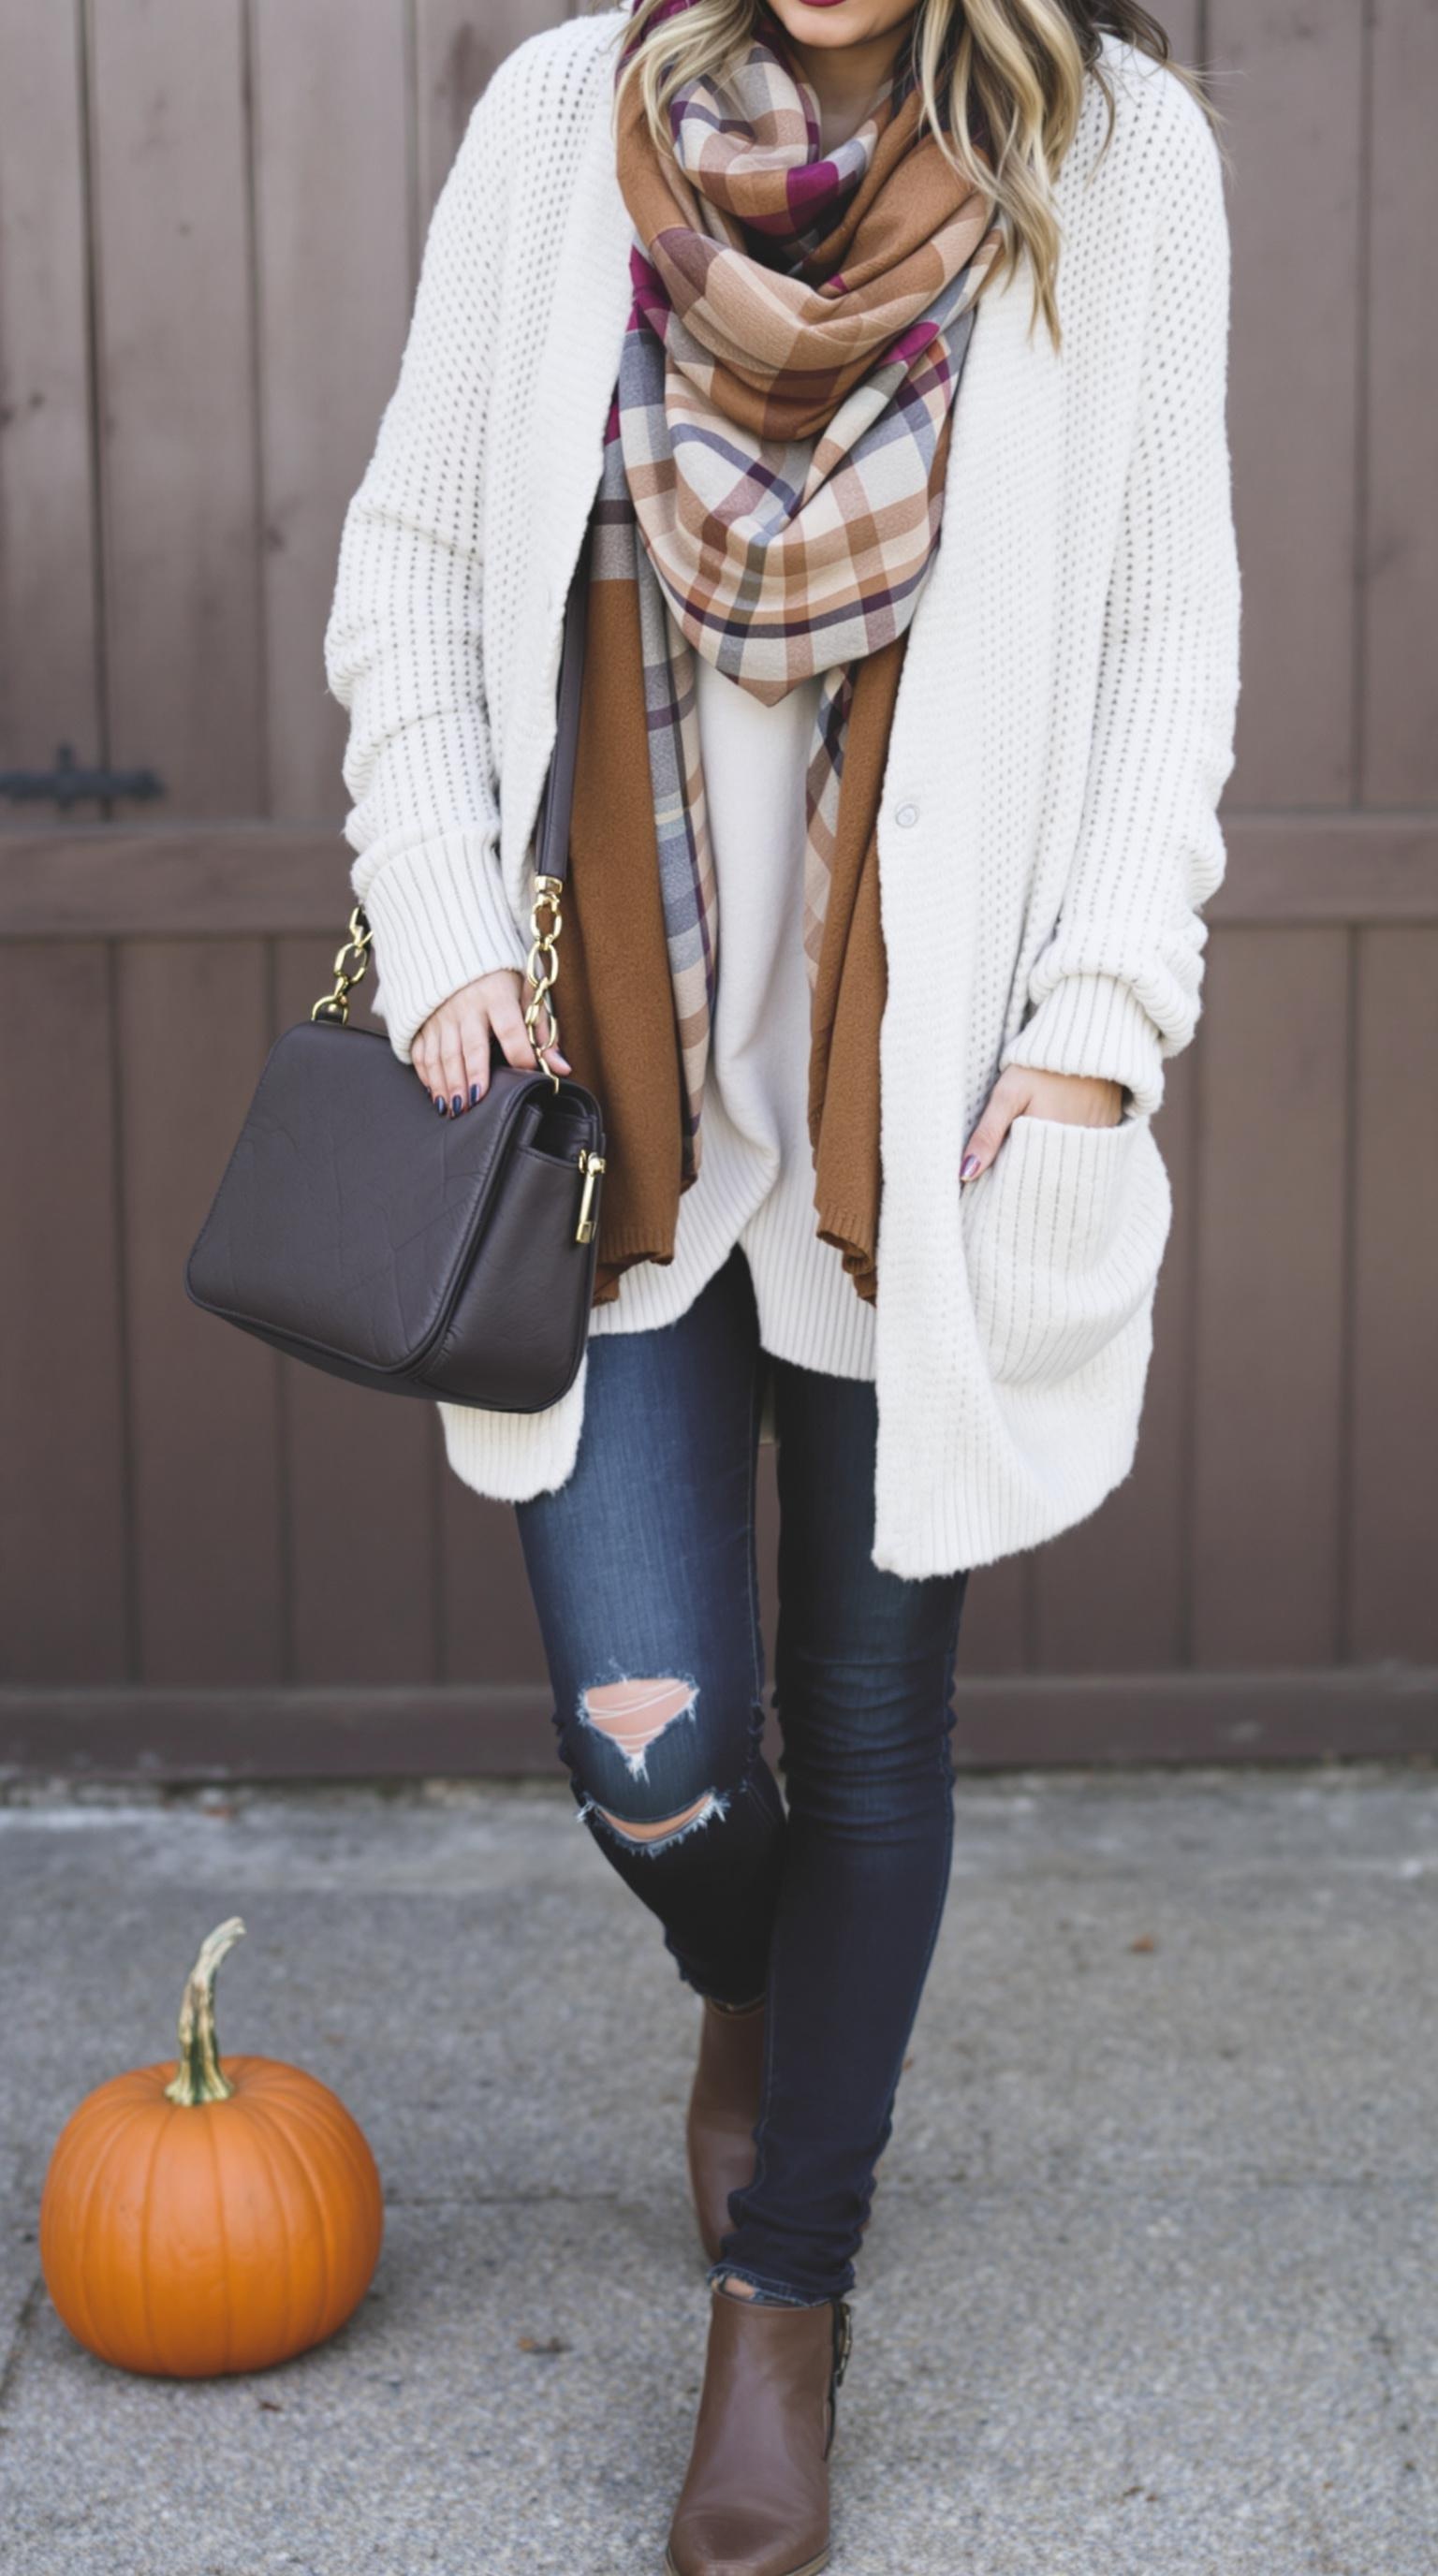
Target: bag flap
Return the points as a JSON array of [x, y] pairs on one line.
[[346, 1213]]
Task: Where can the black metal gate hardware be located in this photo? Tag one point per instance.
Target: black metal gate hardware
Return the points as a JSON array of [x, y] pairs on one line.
[[69, 784]]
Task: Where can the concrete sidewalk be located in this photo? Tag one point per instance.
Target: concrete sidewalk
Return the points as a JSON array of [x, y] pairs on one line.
[[1151, 2290]]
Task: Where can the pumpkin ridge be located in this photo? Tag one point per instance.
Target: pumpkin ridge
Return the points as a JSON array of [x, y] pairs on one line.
[[228, 2333], [319, 2208], [77, 2274], [318, 2113], [143, 2235], [334, 2130], [254, 2137], [79, 2256], [314, 2106], [68, 2148]]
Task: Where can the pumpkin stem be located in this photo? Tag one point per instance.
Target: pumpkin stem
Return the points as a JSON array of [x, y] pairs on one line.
[[199, 2077]]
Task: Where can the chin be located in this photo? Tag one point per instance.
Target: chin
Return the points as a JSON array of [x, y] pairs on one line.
[[823, 22]]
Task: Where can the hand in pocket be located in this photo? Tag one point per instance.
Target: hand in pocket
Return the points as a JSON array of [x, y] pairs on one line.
[[1071, 1099]]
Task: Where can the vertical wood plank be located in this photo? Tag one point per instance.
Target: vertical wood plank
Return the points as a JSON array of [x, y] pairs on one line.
[[208, 1499], [1289, 78], [363, 1512], [177, 397], [63, 1605], [457, 48], [996, 1632], [1183, 20], [332, 207], [1400, 606], [1111, 1595], [1393, 1482], [1269, 1209], [489, 1632], [49, 682]]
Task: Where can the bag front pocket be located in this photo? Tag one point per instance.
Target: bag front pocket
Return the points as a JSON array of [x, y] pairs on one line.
[[1063, 1238]]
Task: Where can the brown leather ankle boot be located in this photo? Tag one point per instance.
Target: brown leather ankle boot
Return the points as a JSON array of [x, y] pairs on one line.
[[756, 2499], [723, 2109]]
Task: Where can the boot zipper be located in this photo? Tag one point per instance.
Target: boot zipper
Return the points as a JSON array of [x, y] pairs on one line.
[[843, 2340]]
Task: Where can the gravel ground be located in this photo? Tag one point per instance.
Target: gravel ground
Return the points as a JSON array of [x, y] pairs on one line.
[[1152, 2285]]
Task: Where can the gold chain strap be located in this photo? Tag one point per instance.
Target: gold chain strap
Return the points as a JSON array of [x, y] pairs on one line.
[[541, 970], [336, 1005], [542, 967]]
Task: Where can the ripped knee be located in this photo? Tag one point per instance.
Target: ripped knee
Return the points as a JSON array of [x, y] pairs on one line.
[[665, 1829], [624, 1722], [633, 1715]]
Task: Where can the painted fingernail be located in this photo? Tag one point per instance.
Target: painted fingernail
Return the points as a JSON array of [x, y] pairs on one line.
[[440, 1104], [968, 1167], [475, 1095], [457, 1103]]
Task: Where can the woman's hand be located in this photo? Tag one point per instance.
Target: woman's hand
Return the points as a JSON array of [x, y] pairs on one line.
[[1075, 1099], [451, 1054]]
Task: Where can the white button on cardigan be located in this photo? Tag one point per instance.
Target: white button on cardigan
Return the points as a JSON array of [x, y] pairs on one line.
[[1064, 726]]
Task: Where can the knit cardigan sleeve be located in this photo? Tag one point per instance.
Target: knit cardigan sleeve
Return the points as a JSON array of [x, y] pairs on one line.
[[1117, 987], [403, 648]]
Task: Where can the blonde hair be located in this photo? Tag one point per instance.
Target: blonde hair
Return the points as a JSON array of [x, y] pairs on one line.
[[1021, 65]]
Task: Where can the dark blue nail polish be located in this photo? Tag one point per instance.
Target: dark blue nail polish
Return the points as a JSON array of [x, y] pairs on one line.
[[457, 1103], [440, 1104], [475, 1095]]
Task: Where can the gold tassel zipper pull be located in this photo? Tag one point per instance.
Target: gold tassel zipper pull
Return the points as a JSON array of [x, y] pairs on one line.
[[591, 1165]]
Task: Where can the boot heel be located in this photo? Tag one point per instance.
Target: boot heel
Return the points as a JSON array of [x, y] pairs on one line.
[[814, 2568]]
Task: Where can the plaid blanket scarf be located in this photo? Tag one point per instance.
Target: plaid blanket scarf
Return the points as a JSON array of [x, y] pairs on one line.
[[774, 462]]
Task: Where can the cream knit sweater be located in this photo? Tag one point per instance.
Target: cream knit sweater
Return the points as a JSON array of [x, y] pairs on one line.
[[1047, 835], [756, 1180]]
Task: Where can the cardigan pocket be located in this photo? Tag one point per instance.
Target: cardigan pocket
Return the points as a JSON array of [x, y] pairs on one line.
[[1063, 1238]]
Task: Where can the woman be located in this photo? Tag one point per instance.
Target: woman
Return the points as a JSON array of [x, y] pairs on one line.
[[874, 356]]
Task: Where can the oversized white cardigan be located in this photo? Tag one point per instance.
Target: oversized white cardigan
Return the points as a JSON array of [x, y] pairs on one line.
[[1048, 829]]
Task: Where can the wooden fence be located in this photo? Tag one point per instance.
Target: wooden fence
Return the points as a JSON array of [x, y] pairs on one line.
[[210, 212]]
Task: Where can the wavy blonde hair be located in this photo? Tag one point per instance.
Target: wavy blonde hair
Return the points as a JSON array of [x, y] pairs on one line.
[[1018, 68]]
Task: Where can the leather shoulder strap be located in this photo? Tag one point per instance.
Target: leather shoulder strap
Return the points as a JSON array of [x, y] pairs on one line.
[[551, 838]]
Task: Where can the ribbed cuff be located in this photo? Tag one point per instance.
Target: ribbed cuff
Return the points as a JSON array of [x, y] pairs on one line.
[[440, 918], [1094, 1025]]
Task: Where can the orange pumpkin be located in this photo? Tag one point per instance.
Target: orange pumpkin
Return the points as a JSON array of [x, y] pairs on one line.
[[220, 2220]]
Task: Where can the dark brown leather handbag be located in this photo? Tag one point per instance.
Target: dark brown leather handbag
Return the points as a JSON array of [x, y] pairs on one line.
[[439, 1257]]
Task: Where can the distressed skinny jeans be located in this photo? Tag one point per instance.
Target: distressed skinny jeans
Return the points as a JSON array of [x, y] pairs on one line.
[[826, 1900]]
